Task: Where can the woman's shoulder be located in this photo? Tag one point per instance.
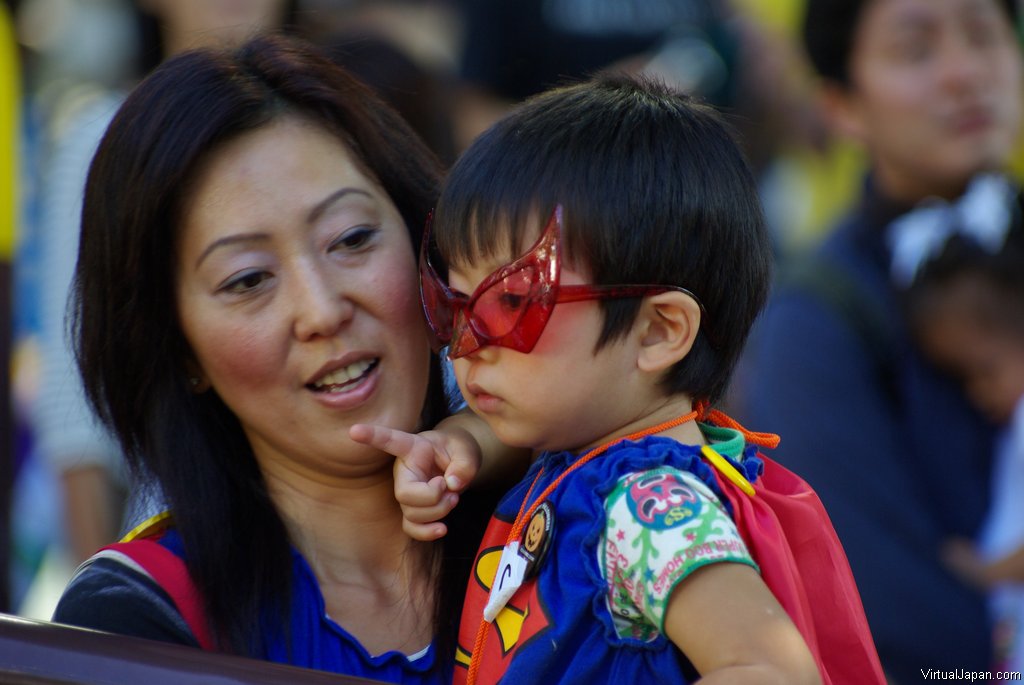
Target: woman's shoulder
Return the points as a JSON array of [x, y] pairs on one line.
[[110, 593]]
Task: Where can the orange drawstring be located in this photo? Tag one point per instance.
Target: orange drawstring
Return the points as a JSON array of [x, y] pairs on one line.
[[720, 418]]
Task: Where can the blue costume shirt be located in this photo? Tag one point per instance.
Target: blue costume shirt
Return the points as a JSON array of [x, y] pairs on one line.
[[559, 626]]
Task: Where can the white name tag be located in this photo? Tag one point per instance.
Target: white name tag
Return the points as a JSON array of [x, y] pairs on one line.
[[511, 572]]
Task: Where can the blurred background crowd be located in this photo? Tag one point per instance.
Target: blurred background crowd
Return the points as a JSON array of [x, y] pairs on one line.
[[450, 66]]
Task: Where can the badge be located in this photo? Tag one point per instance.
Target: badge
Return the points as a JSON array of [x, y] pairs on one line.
[[537, 537], [511, 573]]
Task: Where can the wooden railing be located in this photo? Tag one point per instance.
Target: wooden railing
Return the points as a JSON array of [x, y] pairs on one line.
[[41, 653]]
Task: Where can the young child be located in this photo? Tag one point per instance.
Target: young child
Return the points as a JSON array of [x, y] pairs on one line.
[[601, 255], [966, 307]]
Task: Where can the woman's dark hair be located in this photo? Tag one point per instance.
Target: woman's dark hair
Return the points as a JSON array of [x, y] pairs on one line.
[[130, 348], [829, 28], [654, 188]]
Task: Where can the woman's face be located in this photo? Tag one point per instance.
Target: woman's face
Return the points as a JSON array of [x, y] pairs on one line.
[[297, 293], [936, 92]]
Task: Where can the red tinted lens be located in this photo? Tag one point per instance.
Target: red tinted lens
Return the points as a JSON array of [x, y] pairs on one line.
[[437, 304], [498, 310]]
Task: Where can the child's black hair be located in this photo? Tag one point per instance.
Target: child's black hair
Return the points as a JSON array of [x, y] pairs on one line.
[[991, 282], [655, 189]]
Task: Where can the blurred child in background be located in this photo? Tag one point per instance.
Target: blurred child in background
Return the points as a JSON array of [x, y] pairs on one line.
[[966, 306]]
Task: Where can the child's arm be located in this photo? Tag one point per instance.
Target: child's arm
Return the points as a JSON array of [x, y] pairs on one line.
[[432, 467], [733, 630], [497, 463], [1007, 569], [963, 559]]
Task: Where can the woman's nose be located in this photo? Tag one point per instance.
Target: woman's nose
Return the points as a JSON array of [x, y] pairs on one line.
[[321, 304]]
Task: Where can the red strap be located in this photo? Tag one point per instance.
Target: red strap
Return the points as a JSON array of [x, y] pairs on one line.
[[170, 573]]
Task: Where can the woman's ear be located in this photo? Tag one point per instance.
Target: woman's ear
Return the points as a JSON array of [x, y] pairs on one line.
[[668, 324], [197, 380]]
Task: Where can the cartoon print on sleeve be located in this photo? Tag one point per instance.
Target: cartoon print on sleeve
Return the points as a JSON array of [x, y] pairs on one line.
[[662, 525]]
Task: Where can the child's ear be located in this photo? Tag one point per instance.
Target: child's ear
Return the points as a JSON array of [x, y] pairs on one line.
[[668, 324]]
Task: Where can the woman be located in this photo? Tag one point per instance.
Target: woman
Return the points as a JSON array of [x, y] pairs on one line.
[[245, 292]]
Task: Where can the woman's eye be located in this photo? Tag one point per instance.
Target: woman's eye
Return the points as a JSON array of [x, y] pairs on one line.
[[354, 239], [245, 282]]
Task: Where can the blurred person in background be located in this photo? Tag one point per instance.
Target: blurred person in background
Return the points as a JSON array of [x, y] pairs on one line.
[[69, 438], [422, 97], [965, 303], [405, 50], [10, 80], [169, 27], [512, 49], [718, 50], [932, 90]]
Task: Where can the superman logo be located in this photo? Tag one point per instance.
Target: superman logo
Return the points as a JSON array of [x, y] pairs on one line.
[[520, 620]]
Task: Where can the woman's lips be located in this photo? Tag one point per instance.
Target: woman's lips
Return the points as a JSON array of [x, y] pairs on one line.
[[344, 376], [349, 386]]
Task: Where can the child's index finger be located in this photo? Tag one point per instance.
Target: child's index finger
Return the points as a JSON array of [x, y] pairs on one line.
[[412, 452], [396, 442]]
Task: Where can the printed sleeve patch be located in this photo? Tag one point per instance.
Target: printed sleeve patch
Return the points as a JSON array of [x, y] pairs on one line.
[[661, 499], [661, 526]]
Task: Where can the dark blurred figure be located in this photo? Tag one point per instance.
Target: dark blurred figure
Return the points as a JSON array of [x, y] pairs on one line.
[[403, 49], [167, 27], [932, 89], [10, 78], [422, 97], [516, 48], [707, 48], [965, 304]]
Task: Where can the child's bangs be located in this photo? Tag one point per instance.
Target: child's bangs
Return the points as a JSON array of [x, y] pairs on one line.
[[468, 231]]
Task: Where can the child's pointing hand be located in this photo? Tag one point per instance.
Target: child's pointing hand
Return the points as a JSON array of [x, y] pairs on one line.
[[430, 469]]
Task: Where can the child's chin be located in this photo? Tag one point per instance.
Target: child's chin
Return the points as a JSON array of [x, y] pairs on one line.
[[508, 435]]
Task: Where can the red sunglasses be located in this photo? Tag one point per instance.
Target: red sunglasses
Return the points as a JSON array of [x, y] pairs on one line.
[[512, 305]]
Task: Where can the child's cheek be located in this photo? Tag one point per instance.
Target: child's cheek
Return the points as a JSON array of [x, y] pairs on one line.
[[461, 368]]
